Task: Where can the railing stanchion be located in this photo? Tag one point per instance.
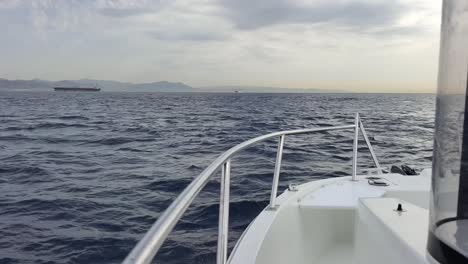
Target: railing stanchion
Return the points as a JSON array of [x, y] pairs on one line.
[[224, 213], [274, 186], [149, 245], [369, 146], [355, 146]]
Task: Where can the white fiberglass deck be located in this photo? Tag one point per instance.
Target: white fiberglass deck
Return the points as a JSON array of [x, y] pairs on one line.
[[341, 221], [339, 253]]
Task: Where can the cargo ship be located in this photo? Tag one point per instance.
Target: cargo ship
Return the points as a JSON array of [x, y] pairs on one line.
[[77, 89]]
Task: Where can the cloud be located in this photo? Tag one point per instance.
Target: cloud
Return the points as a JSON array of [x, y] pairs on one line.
[[123, 4], [128, 8], [290, 43], [188, 36], [121, 12], [7, 4], [397, 30], [251, 15], [63, 15]]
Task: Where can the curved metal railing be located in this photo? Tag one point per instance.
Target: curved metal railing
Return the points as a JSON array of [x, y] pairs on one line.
[[149, 245]]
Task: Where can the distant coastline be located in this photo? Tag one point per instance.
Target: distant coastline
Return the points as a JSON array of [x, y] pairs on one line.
[[40, 85], [161, 86], [45, 85]]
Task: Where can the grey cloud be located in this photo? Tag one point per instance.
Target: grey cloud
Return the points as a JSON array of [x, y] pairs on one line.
[[188, 36], [250, 15], [123, 12], [397, 30], [128, 8]]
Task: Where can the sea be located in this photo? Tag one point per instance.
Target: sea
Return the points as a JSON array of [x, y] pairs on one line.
[[84, 175]]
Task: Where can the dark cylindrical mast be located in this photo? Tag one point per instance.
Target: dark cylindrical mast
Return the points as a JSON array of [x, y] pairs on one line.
[[448, 231]]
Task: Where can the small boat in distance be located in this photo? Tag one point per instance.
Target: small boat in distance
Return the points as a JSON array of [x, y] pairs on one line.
[[77, 89]]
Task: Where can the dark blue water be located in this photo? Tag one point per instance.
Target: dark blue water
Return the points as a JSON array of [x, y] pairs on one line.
[[84, 175]]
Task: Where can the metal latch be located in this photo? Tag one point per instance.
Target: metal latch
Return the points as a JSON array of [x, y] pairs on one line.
[[377, 183]]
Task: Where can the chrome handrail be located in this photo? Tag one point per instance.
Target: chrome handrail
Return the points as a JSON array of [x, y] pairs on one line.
[[151, 242]]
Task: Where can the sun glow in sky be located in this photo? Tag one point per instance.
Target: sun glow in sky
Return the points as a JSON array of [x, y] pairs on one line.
[[362, 46]]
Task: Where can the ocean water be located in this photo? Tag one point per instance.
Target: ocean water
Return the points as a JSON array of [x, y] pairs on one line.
[[84, 175]]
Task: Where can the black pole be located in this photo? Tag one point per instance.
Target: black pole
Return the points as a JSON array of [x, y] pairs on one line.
[[462, 208]]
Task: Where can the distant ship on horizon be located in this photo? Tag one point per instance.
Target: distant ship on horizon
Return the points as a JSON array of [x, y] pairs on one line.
[[77, 89]]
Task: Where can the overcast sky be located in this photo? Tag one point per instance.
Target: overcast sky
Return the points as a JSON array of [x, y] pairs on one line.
[[366, 45]]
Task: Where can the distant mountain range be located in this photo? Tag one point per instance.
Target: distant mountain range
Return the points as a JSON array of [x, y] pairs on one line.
[[162, 86], [40, 85], [265, 89]]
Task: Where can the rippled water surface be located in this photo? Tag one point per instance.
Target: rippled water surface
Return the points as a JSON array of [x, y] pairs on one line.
[[84, 175]]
